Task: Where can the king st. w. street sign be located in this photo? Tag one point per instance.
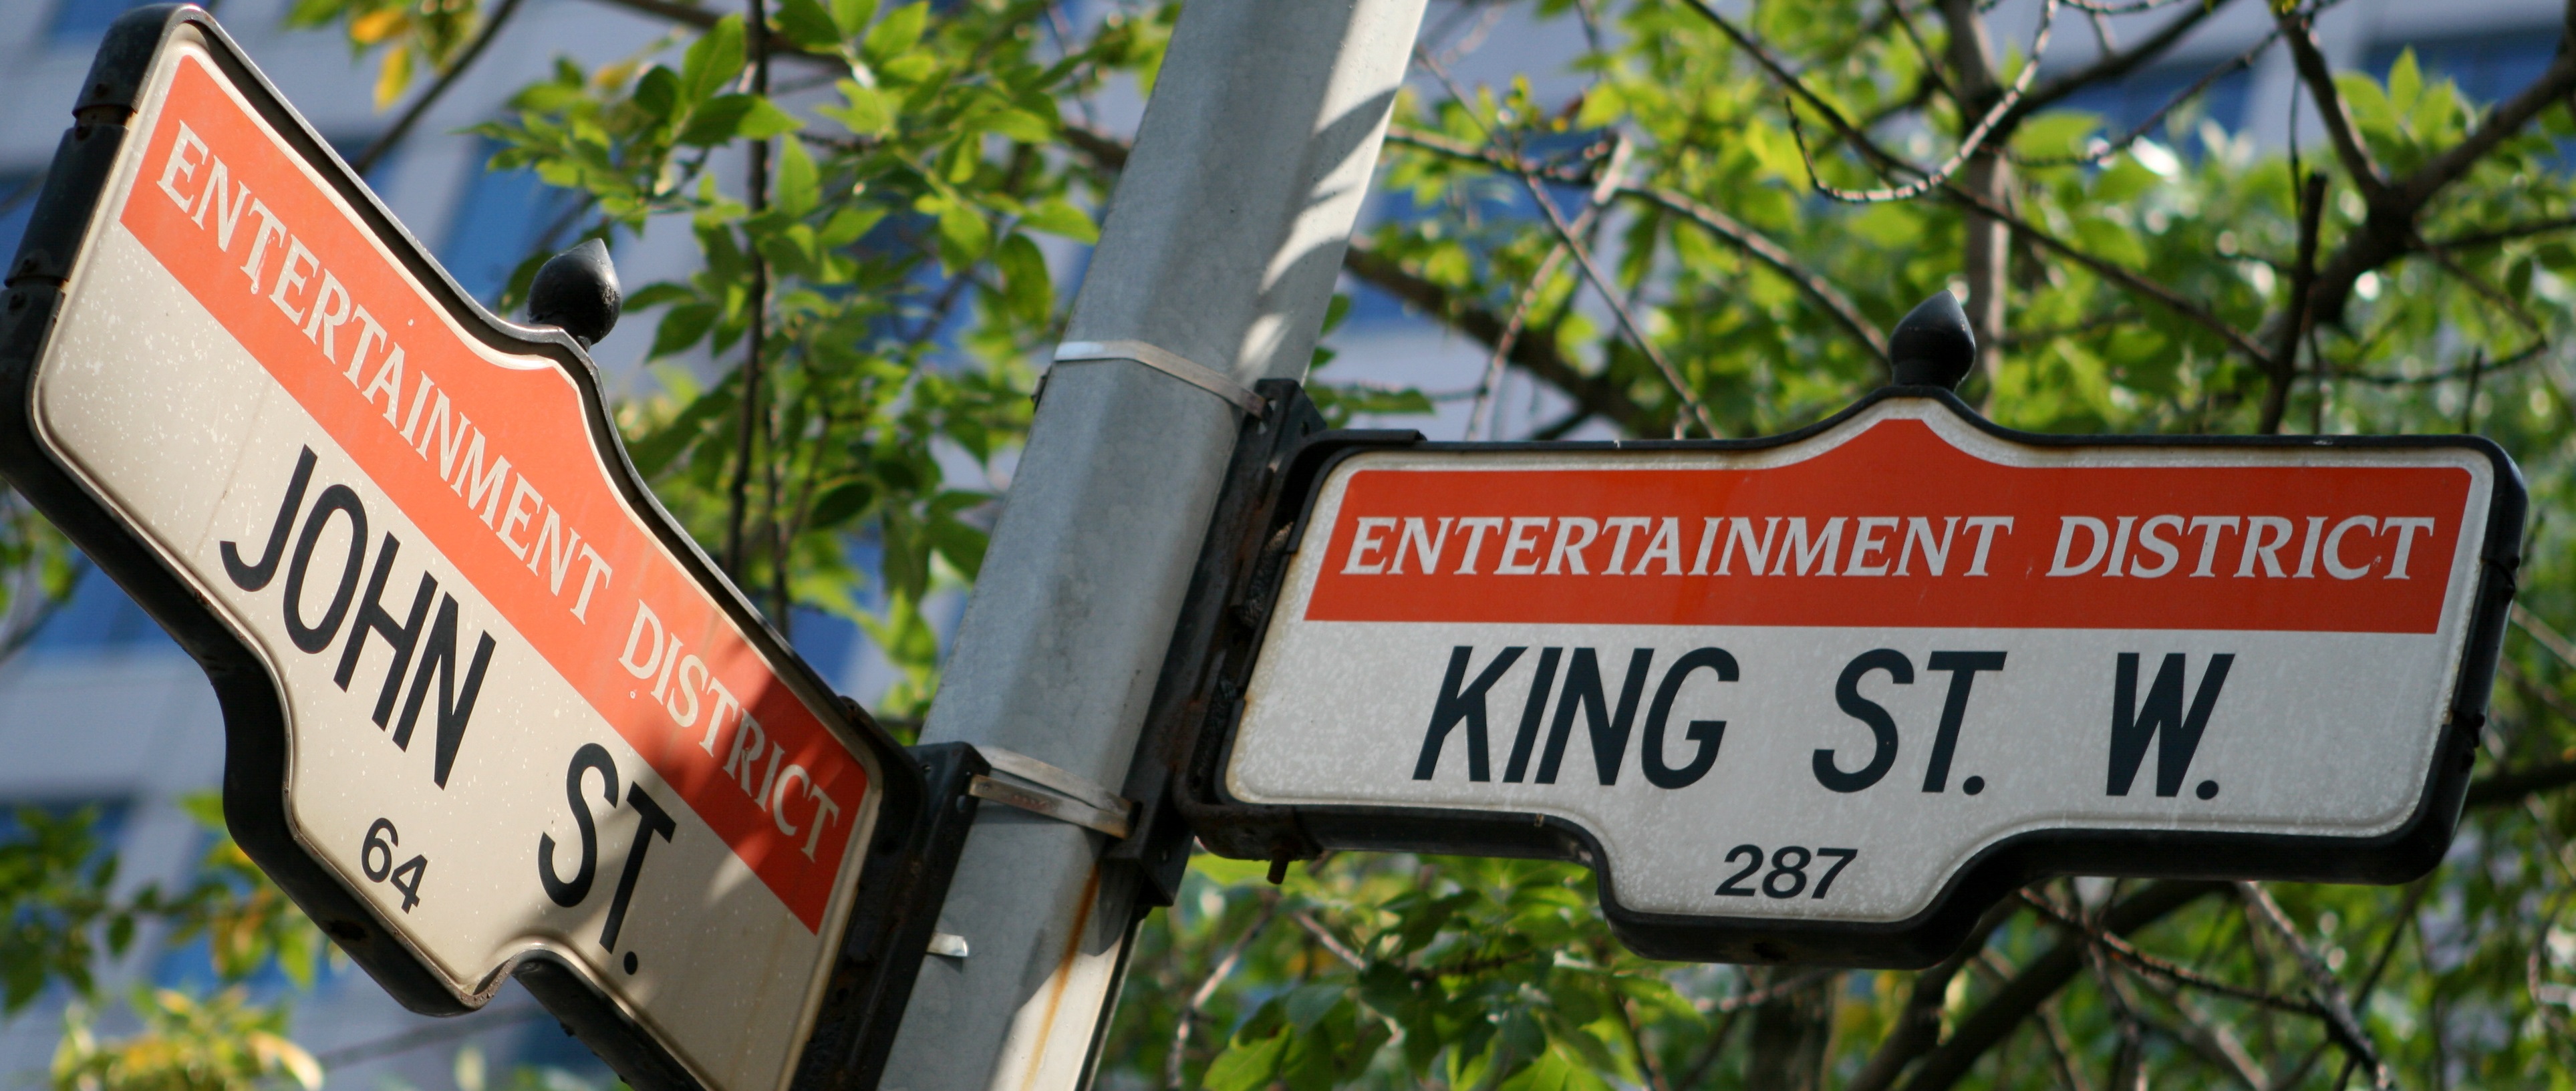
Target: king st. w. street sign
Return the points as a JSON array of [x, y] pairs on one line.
[[1825, 697]]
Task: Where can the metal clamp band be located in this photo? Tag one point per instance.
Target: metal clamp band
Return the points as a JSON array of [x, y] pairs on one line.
[[1051, 792], [1169, 363]]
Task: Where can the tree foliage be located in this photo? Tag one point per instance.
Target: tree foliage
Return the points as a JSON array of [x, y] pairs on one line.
[[1707, 236], [68, 917]]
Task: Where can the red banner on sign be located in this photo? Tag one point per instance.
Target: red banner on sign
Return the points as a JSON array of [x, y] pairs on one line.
[[495, 464], [1898, 527]]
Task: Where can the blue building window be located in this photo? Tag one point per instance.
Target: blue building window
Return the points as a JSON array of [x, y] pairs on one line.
[[99, 618], [17, 205], [501, 218], [106, 827], [2488, 68], [350, 146], [82, 20], [1487, 210], [2125, 105]]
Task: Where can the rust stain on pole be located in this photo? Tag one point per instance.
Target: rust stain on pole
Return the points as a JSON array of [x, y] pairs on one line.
[[1063, 976]]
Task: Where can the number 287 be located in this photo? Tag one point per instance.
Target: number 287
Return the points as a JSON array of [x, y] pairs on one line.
[[1788, 875]]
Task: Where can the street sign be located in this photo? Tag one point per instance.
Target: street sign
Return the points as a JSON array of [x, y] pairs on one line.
[[489, 710], [1826, 697]]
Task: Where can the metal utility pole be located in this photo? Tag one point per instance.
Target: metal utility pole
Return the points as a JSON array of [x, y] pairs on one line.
[[1219, 255]]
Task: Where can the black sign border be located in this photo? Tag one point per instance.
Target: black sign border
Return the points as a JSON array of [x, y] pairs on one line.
[[1232, 827], [864, 994]]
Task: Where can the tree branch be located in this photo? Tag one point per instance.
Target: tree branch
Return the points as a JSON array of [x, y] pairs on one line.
[[2217, 1045], [1996, 121], [1105, 151], [2328, 989], [2505, 234], [2501, 124], [2118, 65], [1985, 244], [1601, 282], [1537, 354], [2281, 366], [2128, 953], [2163, 296], [2040, 979], [702, 18], [672, 10], [2544, 633], [2389, 232], [1754, 244], [1918, 1025], [429, 97], [1497, 158], [1735, 233], [1330, 941], [1190, 1014], [2209, 79], [1789, 81], [2508, 787], [1596, 201], [2299, 30]]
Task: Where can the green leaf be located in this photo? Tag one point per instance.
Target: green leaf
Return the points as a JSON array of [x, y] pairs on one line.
[[1245, 1066], [961, 545], [1022, 126], [1308, 1003], [766, 120], [2405, 81], [905, 559], [867, 112], [657, 93], [1026, 288], [1336, 311], [897, 33], [805, 23], [207, 808], [713, 61], [2110, 241], [847, 224], [853, 15], [1339, 402], [728, 116], [796, 190], [682, 326], [963, 234], [789, 248], [2125, 178], [1057, 216], [2367, 102], [1775, 150], [658, 293], [840, 504], [654, 452], [1555, 1071], [2055, 134], [716, 121]]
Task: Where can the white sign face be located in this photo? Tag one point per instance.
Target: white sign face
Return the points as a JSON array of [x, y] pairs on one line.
[[1812, 682], [518, 724]]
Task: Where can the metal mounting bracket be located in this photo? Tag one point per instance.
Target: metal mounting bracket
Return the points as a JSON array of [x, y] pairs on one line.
[[1169, 363], [1051, 792]]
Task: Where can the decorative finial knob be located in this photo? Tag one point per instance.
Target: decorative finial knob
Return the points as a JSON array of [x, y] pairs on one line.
[[577, 290], [1932, 344]]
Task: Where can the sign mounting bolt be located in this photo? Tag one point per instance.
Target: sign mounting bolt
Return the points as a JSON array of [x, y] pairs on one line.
[[577, 290], [1931, 346]]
